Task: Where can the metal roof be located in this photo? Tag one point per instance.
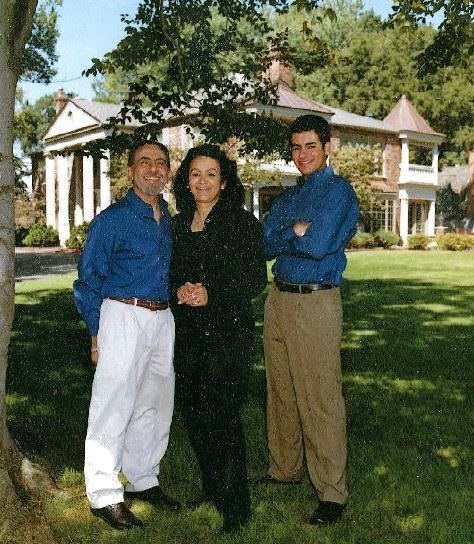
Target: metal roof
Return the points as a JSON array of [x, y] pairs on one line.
[[404, 117]]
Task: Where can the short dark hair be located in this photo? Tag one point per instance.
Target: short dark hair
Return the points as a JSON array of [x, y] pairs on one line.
[[233, 192], [305, 123], [140, 143]]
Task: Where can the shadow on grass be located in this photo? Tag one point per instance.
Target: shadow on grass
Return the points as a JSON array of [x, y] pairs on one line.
[[407, 361]]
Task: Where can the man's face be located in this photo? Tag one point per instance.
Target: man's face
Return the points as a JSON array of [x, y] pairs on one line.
[[149, 171], [307, 152]]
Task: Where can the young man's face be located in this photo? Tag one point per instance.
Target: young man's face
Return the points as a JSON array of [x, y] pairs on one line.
[[308, 153], [149, 171]]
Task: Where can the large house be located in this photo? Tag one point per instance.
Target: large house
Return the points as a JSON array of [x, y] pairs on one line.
[[77, 187]]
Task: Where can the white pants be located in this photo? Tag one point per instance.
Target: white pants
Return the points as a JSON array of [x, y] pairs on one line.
[[132, 401]]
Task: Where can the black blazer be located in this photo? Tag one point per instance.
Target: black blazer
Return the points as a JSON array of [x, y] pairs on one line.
[[228, 258]]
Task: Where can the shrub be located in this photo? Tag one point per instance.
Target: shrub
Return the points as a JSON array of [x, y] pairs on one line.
[[455, 242], [418, 241], [386, 238], [77, 238], [361, 240], [20, 233], [41, 235]]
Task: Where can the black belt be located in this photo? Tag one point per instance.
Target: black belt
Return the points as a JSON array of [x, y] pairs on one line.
[[153, 305], [302, 288]]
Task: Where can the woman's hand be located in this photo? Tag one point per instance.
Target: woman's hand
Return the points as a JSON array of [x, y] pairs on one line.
[[193, 294]]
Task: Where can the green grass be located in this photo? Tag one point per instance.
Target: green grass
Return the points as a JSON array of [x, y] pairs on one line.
[[408, 354]]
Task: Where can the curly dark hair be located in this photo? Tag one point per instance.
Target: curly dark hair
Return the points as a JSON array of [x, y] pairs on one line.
[[233, 192], [305, 123]]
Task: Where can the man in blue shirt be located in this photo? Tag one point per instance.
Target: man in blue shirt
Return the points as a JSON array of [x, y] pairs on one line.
[[122, 294], [306, 230]]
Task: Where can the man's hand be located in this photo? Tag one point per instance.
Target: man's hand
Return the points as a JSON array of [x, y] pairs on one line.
[[94, 350], [193, 294], [301, 227]]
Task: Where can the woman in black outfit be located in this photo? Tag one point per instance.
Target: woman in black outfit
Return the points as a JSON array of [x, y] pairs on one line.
[[218, 266]]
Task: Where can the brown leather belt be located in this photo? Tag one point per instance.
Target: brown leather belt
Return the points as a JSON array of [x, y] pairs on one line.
[[153, 305], [302, 288]]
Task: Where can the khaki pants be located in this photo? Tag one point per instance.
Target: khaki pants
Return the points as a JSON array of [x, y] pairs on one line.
[[305, 406]]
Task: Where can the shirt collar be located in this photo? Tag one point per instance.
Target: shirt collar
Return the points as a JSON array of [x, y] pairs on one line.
[[140, 205], [318, 177]]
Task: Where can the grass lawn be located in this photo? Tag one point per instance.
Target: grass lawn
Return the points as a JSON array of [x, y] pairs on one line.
[[408, 355]]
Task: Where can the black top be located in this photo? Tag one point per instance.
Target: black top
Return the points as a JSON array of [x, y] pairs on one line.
[[228, 258]]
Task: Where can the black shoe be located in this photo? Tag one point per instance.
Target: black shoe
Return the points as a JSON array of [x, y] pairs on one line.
[[326, 513], [232, 525], [118, 516], [155, 496], [195, 503], [267, 479]]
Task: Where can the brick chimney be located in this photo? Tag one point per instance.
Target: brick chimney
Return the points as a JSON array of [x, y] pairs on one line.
[[280, 71], [60, 100]]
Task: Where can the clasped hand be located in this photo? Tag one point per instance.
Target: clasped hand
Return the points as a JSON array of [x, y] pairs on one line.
[[301, 227], [193, 294]]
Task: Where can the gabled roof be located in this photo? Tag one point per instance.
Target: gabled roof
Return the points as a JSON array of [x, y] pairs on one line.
[[287, 98], [404, 117], [101, 111]]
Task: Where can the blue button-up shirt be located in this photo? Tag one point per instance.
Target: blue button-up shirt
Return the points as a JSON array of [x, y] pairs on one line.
[[127, 254], [330, 204]]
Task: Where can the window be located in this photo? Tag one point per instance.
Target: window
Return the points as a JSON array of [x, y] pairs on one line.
[[381, 218]]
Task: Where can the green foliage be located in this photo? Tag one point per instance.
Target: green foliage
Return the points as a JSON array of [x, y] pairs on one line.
[[418, 241], [41, 235], [362, 240], [377, 65], [449, 204], [358, 163], [39, 55], [212, 54], [20, 234], [454, 42], [455, 242], [386, 238], [31, 122], [78, 236]]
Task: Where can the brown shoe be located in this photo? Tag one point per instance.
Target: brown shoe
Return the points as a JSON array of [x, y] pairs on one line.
[[118, 516], [154, 495]]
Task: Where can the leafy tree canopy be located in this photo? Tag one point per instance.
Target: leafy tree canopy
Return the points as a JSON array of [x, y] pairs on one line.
[[213, 54], [39, 54], [453, 44]]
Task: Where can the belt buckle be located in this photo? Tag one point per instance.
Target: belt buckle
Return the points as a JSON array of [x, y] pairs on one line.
[[135, 301]]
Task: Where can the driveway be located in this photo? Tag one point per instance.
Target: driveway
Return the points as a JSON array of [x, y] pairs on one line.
[[34, 263]]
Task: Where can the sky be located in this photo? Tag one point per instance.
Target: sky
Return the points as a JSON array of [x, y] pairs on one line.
[[89, 29]]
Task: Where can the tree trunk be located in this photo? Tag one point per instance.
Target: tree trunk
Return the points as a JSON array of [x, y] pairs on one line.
[[16, 523]]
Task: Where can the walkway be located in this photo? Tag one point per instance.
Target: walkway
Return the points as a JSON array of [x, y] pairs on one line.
[[33, 263]]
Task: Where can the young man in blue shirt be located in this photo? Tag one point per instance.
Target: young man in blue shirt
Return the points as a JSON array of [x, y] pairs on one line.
[[122, 294], [306, 231]]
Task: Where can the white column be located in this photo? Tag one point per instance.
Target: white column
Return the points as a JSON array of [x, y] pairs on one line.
[[64, 181], [434, 164], [431, 218], [404, 220], [50, 175], [405, 161], [393, 226], [78, 205], [256, 203], [88, 187], [105, 193]]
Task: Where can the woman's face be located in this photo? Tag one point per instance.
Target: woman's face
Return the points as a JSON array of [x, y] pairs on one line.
[[205, 180]]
